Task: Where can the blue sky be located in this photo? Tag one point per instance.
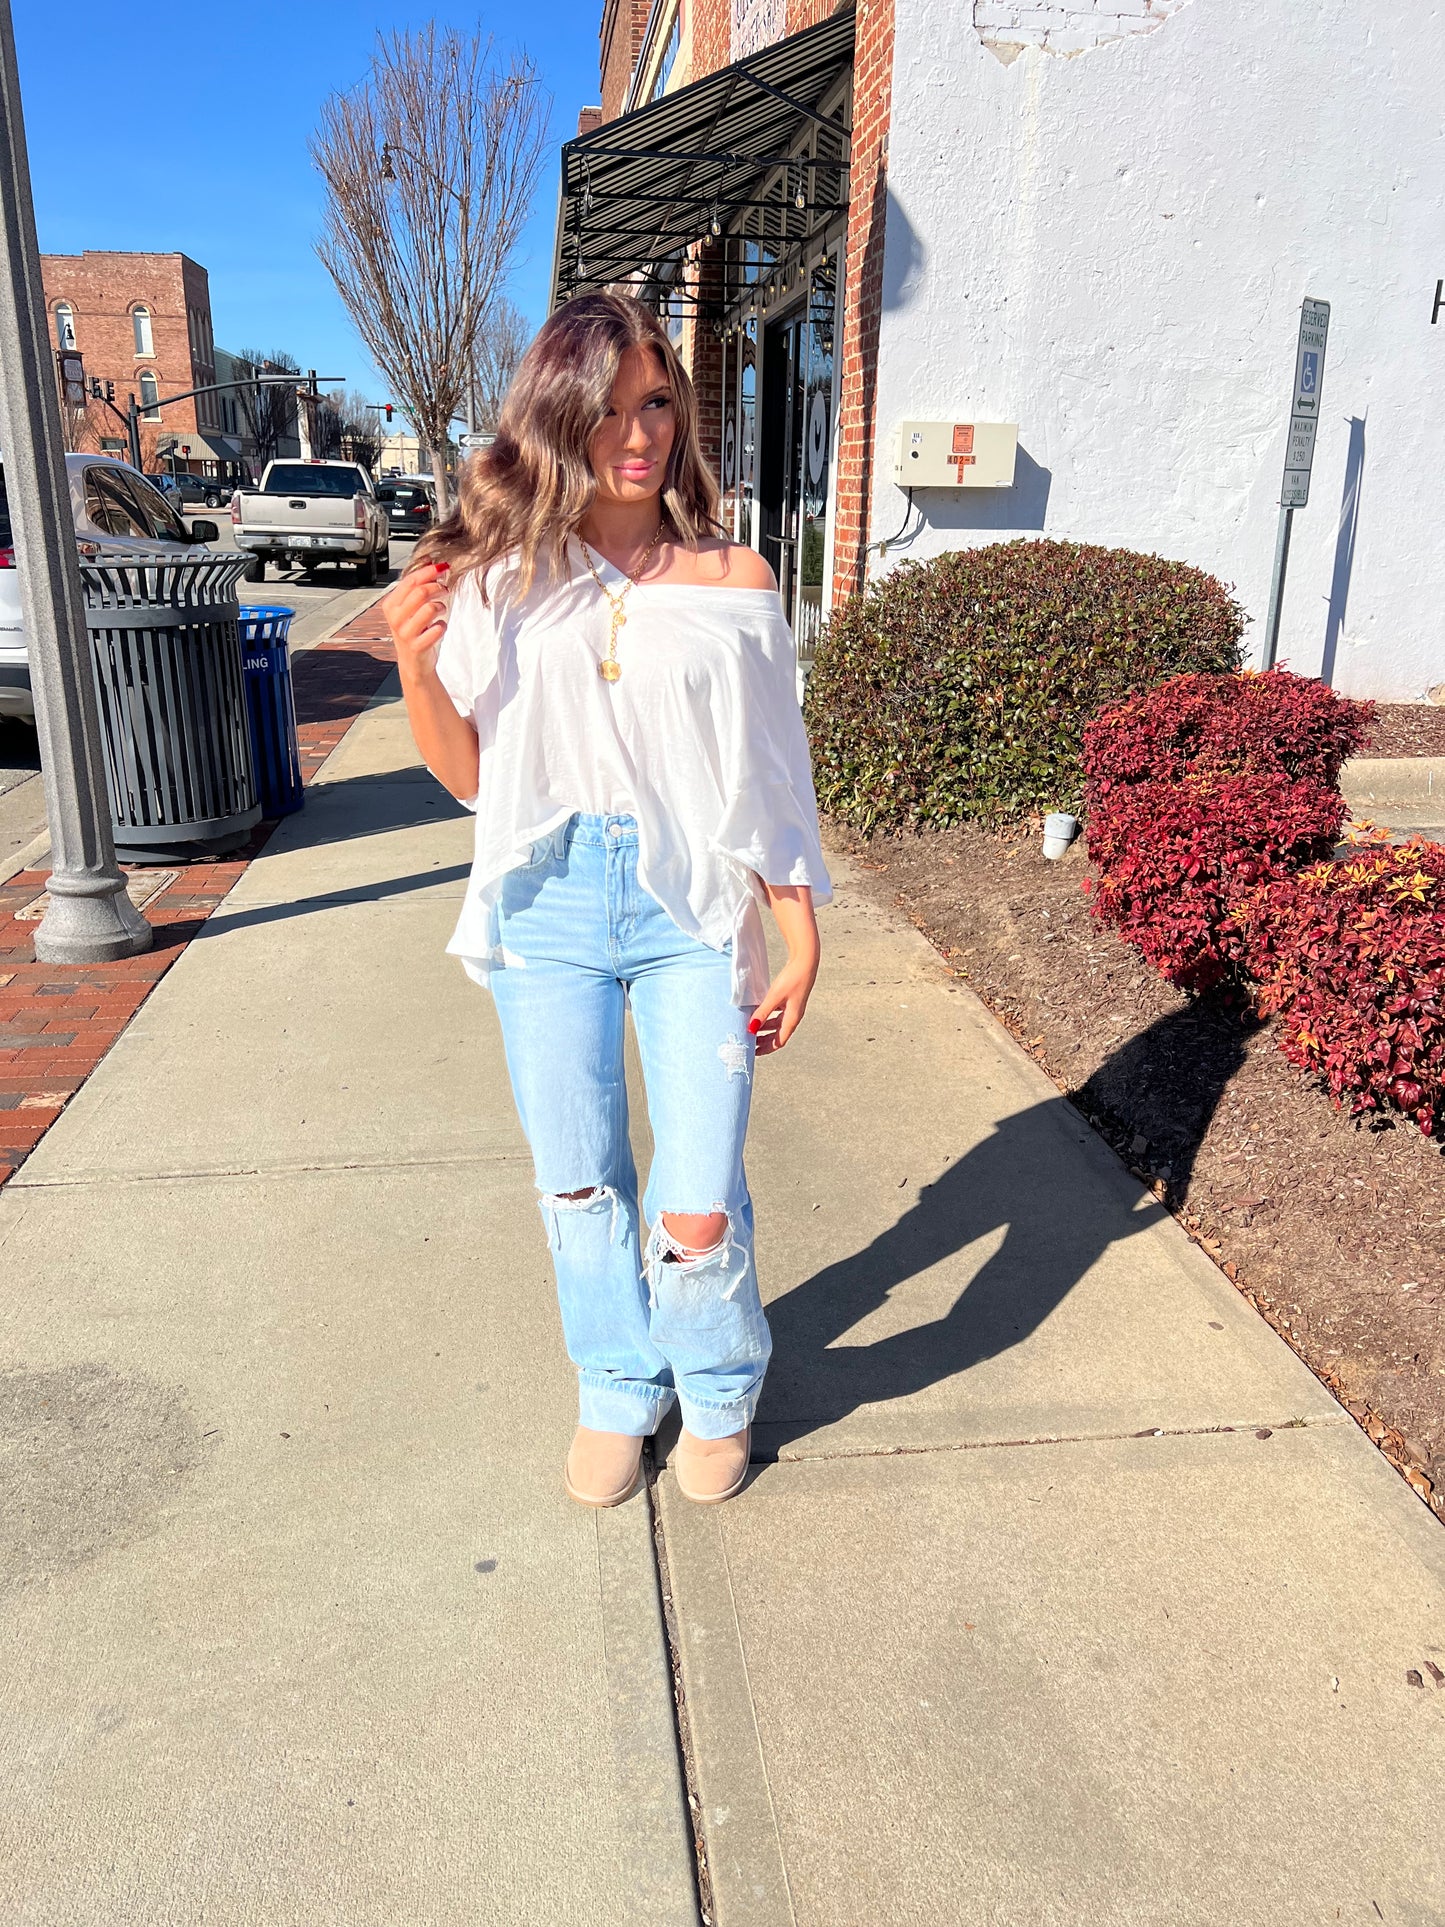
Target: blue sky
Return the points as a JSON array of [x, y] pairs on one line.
[[186, 127]]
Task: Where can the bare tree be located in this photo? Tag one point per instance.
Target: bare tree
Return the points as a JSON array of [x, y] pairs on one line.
[[360, 434], [346, 429], [500, 346], [76, 429], [430, 167], [268, 408], [326, 430]]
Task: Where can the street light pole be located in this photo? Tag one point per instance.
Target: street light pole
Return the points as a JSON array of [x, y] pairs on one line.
[[90, 918]]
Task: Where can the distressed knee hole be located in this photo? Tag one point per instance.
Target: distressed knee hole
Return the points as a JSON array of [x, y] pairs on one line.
[[693, 1241], [557, 1205], [693, 1234]]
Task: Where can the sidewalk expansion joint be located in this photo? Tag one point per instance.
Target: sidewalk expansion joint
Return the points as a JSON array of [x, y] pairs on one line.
[[707, 1910], [1259, 1428], [86, 1180]]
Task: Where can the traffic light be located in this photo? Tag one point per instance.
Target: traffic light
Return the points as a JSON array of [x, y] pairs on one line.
[[388, 414]]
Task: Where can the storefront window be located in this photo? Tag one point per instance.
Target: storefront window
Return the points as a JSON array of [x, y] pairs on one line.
[[795, 436], [747, 412], [817, 451]]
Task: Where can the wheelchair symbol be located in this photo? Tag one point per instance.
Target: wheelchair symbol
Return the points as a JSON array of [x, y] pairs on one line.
[[1309, 374]]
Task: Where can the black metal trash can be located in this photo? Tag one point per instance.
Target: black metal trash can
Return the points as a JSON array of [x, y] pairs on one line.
[[166, 652], [271, 705]]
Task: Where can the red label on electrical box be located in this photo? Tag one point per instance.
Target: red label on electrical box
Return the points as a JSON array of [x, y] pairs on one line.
[[963, 438]]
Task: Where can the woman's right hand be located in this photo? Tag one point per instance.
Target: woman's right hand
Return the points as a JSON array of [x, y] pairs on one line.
[[416, 614]]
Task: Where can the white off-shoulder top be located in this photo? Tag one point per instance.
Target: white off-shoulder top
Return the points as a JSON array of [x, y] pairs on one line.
[[700, 739]]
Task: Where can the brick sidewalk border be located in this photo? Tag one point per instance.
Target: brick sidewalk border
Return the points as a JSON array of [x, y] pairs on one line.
[[58, 1020]]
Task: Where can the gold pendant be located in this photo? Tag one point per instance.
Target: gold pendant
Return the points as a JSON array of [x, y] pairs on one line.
[[609, 669]]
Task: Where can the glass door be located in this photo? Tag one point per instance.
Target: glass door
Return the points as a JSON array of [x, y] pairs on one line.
[[796, 453], [815, 453]]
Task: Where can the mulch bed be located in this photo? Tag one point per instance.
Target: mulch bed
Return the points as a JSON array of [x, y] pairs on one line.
[[57, 1021], [1407, 729], [1334, 1231]]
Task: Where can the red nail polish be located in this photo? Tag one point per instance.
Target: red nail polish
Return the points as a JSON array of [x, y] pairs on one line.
[[753, 1025]]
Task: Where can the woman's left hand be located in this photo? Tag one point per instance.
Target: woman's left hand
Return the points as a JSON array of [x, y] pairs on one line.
[[786, 998]]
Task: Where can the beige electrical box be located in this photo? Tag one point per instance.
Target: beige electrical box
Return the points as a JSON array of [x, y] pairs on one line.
[[955, 454]]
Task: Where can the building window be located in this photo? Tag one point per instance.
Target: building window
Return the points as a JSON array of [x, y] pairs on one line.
[[141, 322], [64, 325], [669, 56], [150, 395]]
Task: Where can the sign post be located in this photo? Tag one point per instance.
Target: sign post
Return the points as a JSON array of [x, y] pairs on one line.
[[1299, 455]]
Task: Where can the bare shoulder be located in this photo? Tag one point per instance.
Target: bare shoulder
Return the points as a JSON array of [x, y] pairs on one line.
[[726, 565], [744, 568]]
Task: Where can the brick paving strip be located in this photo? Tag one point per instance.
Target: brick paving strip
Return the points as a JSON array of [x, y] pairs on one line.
[[58, 1020]]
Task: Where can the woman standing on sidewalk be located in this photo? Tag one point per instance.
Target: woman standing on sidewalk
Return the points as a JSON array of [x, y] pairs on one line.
[[611, 686]]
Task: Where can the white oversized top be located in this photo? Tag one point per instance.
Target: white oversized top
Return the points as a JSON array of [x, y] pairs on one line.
[[700, 739]]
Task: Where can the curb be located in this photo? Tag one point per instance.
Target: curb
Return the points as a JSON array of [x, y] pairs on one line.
[[1373, 781]]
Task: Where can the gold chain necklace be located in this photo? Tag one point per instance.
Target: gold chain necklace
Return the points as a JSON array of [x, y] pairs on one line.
[[609, 669]]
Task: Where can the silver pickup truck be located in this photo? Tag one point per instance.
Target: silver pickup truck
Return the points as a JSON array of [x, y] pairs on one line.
[[309, 512]]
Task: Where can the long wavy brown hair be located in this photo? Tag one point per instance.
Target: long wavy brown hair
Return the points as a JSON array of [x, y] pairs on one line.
[[526, 494]]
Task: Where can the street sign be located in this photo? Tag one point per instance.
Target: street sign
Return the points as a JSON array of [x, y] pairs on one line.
[[1299, 452], [72, 378], [468, 442], [1304, 415]]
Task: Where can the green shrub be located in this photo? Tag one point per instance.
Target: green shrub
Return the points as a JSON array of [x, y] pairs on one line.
[[959, 688]]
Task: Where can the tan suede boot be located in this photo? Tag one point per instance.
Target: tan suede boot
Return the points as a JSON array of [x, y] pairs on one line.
[[711, 1470], [602, 1467]]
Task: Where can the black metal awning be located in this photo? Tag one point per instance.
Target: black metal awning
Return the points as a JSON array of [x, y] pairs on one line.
[[749, 151]]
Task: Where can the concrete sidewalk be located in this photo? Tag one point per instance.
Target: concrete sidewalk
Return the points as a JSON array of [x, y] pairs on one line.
[[299, 1626], [1068, 1594], [1065, 1594]]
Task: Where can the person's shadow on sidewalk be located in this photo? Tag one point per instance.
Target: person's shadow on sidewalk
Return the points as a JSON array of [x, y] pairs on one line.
[[1017, 1181]]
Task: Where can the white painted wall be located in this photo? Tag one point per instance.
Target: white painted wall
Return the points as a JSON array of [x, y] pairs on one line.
[[1101, 223]]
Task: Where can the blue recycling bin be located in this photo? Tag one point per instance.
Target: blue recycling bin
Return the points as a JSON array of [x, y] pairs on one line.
[[271, 709]]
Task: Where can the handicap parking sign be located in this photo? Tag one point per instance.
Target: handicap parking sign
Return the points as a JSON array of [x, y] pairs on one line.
[[1309, 372]]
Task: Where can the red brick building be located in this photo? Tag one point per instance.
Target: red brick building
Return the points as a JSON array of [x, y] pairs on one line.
[[143, 322], [758, 199]]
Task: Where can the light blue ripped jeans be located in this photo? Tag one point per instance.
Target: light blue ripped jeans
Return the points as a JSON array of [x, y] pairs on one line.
[[581, 940]]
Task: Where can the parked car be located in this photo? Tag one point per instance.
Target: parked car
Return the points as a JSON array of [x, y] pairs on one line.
[[116, 511], [186, 491], [312, 512], [410, 504]]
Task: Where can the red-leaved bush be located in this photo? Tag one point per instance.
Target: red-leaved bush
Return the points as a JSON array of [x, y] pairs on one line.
[[1350, 958], [1174, 859], [1198, 791], [1276, 723], [1213, 803]]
